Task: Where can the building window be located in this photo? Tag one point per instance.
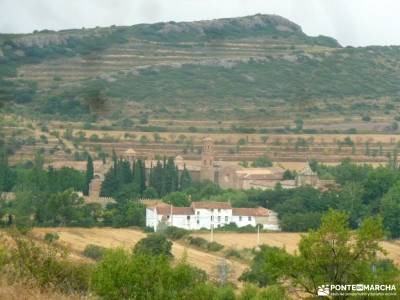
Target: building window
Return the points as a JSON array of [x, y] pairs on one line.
[[168, 217], [249, 218], [212, 218], [240, 218], [198, 213], [212, 210], [219, 210], [188, 218], [198, 222], [226, 218], [219, 218]]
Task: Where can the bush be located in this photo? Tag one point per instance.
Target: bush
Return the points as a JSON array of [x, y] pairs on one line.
[[154, 244], [94, 251], [214, 246], [175, 233], [121, 275], [204, 244], [148, 229], [51, 237], [197, 241], [235, 228], [47, 266], [232, 253]]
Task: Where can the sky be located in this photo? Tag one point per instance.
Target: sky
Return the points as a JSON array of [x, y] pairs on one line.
[[351, 22]]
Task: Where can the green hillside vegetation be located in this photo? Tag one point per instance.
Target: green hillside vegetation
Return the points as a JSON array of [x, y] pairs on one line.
[[250, 62]]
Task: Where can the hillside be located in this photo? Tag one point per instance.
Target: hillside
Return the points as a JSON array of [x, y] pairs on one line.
[[162, 69]]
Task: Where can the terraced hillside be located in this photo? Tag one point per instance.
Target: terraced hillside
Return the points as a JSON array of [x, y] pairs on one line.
[[263, 65]]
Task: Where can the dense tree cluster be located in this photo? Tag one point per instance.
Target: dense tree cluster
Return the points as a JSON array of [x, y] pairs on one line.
[[46, 197], [163, 178], [333, 254]]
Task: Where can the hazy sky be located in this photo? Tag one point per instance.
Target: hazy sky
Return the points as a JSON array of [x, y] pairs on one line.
[[351, 22]]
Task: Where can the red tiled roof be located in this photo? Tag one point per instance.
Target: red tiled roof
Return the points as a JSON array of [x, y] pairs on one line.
[[211, 204], [255, 212], [165, 209]]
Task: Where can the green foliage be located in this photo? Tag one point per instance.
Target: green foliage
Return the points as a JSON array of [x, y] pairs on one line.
[[177, 199], [390, 210], [154, 244], [272, 292], [46, 266], [164, 177], [204, 244], [264, 269], [175, 233], [214, 246], [94, 251], [197, 241], [185, 179], [124, 214], [332, 254], [262, 162], [150, 193], [121, 275], [51, 237], [89, 174]]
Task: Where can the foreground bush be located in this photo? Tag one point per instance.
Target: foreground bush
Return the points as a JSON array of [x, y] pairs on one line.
[[94, 251], [121, 275], [45, 266], [154, 244]]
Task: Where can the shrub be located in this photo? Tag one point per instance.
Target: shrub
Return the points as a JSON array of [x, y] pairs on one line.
[[197, 241], [232, 253], [121, 275], [175, 233], [204, 244], [154, 244], [51, 237], [94, 251], [214, 246], [47, 266], [148, 229]]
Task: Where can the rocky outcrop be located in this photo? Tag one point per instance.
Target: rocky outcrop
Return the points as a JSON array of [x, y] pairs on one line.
[[246, 24]]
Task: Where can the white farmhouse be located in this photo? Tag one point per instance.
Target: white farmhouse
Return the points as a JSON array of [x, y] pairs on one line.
[[207, 214]]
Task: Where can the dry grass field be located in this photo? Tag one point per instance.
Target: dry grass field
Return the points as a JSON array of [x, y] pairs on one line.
[[283, 239], [76, 240], [19, 292]]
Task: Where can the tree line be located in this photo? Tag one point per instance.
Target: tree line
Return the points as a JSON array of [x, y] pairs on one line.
[[163, 178]]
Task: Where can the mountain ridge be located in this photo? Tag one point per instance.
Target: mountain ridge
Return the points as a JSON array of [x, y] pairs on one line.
[[260, 59]]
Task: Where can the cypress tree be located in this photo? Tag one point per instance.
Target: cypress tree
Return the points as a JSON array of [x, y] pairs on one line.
[[185, 180], [139, 176], [143, 177], [156, 180], [89, 174]]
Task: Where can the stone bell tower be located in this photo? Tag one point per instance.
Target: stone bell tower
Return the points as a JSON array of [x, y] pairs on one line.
[[207, 160]]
